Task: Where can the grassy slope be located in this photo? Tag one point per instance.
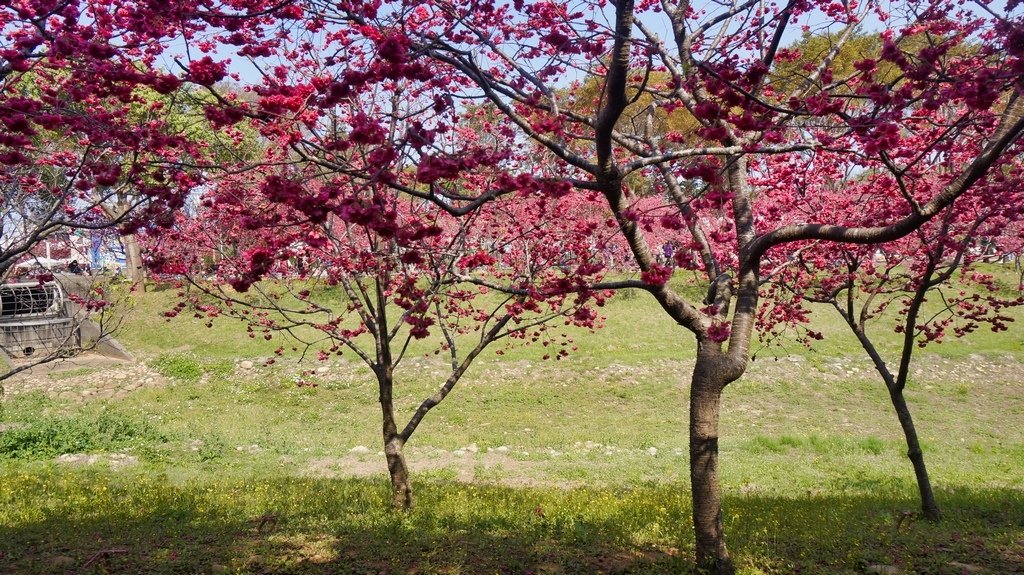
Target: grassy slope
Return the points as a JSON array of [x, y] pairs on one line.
[[812, 461]]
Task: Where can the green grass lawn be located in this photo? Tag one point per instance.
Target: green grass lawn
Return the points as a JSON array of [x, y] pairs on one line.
[[530, 466]]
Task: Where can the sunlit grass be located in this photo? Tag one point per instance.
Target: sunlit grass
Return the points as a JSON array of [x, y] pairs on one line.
[[293, 525], [530, 466]]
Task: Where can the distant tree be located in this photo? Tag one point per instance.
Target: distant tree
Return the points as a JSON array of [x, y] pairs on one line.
[[85, 145], [927, 279], [68, 84]]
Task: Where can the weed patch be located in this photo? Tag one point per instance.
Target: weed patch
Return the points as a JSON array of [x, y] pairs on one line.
[[187, 367], [179, 366], [816, 444], [49, 436]]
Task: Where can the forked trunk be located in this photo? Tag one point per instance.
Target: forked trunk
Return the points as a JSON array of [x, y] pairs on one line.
[[929, 508], [401, 488], [705, 406]]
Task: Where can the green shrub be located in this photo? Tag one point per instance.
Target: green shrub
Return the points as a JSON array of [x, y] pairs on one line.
[[48, 437], [211, 449]]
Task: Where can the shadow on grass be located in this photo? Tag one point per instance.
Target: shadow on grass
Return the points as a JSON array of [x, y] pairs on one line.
[[75, 522]]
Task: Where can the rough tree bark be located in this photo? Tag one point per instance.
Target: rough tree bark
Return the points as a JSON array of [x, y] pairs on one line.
[[705, 407], [394, 443], [401, 487]]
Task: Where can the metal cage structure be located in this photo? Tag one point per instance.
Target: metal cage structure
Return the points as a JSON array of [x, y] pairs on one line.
[[35, 319]]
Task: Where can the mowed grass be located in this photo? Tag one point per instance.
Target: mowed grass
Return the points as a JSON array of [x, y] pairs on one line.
[[530, 466]]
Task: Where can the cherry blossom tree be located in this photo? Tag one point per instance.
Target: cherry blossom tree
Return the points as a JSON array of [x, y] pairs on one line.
[[70, 72], [341, 266], [87, 143], [929, 278], [727, 64]]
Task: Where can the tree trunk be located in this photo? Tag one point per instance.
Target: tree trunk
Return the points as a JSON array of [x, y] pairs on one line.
[[394, 443], [401, 488], [928, 506], [133, 261], [705, 406]]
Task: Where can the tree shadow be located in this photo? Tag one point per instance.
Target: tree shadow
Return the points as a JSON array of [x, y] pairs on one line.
[[982, 531], [99, 523]]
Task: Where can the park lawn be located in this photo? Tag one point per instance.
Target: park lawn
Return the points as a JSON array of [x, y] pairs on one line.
[[531, 466]]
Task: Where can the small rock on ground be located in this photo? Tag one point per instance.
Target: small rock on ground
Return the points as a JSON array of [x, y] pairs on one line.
[[97, 380]]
